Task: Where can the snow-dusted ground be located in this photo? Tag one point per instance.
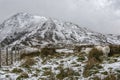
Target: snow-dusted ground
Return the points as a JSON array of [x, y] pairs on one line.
[[66, 61], [44, 68], [64, 50]]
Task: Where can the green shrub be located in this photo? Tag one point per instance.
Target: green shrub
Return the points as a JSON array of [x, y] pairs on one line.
[[105, 73], [47, 72], [81, 58], [99, 66]]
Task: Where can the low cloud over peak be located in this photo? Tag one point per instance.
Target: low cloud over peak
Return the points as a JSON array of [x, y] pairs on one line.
[[99, 15]]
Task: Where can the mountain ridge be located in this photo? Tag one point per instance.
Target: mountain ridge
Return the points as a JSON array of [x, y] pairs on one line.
[[36, 30]]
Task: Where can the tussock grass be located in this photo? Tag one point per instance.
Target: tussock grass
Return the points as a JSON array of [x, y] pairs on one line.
[[66, 73], [28, 62], [32, 54], [110, 77], [96, 55], [114, 49], [95, 78], [92, 66], [22, 76], [47, 51]]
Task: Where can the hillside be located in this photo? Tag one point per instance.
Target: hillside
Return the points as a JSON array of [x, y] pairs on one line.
[[30, 30]]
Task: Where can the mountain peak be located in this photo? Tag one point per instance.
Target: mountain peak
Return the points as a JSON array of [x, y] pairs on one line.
[[37, 30]]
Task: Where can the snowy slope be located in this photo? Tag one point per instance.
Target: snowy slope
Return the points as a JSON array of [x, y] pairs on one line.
[[36, 30], [50, 68]]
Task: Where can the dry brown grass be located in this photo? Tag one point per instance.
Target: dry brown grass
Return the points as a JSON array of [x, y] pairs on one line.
[[94, 58], [32, 54], [28, 62], [114, 49], [22, 76], [64, 73], [47, 51], [95, 55], [17, 70], [110, 77]]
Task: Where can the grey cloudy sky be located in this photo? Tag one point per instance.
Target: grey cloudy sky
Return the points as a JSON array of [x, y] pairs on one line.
[[98, 15]]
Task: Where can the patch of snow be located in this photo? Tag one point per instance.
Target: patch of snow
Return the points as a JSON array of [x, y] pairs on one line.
[[64, 50]]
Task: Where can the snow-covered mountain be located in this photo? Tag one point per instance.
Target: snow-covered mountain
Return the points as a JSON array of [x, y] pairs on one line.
[[33, 30]]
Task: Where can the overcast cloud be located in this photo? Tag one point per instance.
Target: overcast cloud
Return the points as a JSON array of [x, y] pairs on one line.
[[98, 15]]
